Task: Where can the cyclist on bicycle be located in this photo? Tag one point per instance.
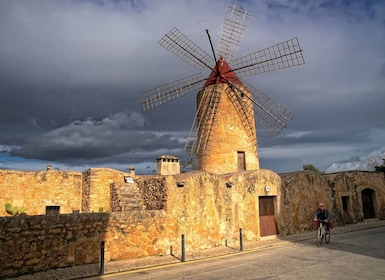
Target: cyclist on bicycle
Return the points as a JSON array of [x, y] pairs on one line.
[[322, 214]]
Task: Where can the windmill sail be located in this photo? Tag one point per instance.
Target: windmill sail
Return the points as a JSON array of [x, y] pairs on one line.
[[271, 115], [233, 29], [283, 55], [204, 121], [164, 94], [181, 46]]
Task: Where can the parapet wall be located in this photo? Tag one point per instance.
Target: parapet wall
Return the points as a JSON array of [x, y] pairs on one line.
[[36, 243], [36, 190]]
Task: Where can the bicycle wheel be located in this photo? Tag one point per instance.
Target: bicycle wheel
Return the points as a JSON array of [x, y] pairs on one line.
[[327, 237], [319, 237]]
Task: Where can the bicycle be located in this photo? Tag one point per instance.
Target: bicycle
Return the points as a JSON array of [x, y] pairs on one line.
[[322, 233]]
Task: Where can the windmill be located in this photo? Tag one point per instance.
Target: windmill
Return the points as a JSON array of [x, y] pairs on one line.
[[223, 134]]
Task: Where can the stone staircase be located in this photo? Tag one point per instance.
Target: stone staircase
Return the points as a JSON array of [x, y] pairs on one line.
[[126, 197]]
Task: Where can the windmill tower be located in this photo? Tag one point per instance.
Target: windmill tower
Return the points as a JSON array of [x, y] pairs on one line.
[[223, 134]]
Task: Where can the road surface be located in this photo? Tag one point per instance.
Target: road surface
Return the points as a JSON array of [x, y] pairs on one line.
[[354, 255]]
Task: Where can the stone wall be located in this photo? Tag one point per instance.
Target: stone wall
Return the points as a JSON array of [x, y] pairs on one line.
[[148, 216], [96, 188], [351, 184], [36, 190], [203, 208], [302, 191], [36, 243]]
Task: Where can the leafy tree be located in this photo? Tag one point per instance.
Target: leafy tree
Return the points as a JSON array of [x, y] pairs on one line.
[[310, 167], [377, 163]]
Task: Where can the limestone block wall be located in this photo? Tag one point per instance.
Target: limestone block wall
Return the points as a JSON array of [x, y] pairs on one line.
[[248, 187], [301, 194], [303, 190], [148, 217], [36, 243], [36, 190], [136, 234], [96, 188], [350, 184]]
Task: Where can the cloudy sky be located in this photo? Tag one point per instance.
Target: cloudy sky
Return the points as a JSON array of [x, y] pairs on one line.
[[72, 73]]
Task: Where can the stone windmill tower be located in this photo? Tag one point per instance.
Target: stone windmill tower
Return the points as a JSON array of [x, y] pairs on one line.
[[223, 134]]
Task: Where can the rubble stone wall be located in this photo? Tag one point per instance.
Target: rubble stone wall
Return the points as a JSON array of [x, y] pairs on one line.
[[147, 216], [36, 243], [204, 209], [303, 191], [35, 190]]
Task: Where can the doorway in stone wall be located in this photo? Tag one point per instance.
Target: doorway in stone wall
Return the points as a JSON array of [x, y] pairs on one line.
[[241, 161], [267, 223], [346, 209], [368, 203]]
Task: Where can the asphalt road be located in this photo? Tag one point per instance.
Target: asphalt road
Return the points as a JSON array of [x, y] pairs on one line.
[[354, 255]]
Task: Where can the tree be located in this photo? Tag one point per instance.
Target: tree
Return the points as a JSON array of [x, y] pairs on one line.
[[377, 163], [310, 167]]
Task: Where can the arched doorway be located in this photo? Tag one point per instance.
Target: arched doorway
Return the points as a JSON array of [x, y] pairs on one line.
[[367, 203]]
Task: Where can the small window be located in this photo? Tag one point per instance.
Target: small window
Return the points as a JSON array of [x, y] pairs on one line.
[[49, 210]]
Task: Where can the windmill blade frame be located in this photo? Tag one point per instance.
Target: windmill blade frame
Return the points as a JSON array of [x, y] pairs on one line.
[[169, 92], [233, 29], [271, 115], [181, 46], [280, 56], [203, 121], [244, 107]]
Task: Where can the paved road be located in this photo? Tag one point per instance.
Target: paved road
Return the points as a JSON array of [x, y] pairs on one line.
[[354, 255]]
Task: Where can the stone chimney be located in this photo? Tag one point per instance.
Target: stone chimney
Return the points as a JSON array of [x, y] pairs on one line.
[[167, 165], [131, 172]]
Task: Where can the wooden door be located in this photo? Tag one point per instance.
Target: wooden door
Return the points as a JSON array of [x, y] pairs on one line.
[[367, 203], [267, 223], [241, 161]]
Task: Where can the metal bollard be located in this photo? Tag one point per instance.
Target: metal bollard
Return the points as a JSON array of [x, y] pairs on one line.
[[183, 249], [101, 272], [240, 240]]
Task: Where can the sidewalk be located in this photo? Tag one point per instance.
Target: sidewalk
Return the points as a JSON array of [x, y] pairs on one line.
[[82, 271]]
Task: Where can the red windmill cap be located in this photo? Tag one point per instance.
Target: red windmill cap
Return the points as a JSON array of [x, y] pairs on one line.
[[222, 73]]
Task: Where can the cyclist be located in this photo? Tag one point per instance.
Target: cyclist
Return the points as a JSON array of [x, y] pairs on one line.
[[322, 214]]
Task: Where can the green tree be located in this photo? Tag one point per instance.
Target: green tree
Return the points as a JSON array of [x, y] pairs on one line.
[[310, 167]]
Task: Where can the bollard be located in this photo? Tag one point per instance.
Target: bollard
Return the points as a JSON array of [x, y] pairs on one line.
[[101, 272], [240, 240], [183, 254]]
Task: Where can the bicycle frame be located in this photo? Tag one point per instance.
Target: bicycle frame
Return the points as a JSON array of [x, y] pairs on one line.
[[322, 234]]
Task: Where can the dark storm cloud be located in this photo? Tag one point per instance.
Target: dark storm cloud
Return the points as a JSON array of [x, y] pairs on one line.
[[90, 139]]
